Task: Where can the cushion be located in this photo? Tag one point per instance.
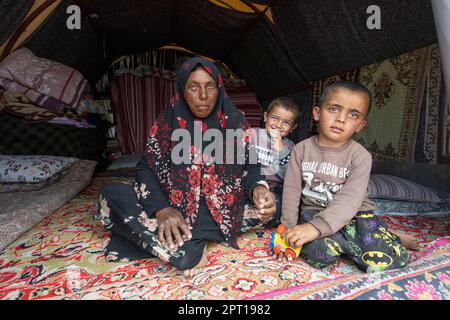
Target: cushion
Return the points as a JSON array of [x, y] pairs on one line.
[[385, 207], [125, 161], [383, 186], [31, 169], [47, 83], [7, 187]]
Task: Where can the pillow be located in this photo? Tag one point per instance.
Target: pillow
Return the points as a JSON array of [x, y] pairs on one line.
[[384, 186], [386, 207], [47, 83], [125, 161], [30, 186], [31, 169]]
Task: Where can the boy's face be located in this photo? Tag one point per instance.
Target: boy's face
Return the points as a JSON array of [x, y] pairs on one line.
[[280, 121], [340, 116]]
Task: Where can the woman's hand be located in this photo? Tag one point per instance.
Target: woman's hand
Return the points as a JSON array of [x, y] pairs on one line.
[[172, 229], [264, 201]]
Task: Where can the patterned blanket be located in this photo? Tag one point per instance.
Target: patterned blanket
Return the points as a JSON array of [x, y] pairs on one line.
[[428, 278], [62, 258], [46, 83], [397, 85]]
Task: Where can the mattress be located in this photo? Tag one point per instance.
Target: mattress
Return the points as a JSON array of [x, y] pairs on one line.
[[20, 211], [19, 137]]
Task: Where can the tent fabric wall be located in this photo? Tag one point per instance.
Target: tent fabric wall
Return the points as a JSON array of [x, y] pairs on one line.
[[130, 27], [430, 143], [12, 12], [327, 37], [441, 10], [308, 40], [260, 60], [81, 49]]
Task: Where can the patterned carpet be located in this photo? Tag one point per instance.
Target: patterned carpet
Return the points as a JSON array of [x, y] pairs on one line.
[[62, 258]]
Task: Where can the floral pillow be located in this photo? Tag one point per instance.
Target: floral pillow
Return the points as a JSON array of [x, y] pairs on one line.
[[384, 186], [31, 169]]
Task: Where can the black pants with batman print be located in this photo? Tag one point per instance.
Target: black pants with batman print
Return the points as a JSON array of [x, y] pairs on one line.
[[365, 239]]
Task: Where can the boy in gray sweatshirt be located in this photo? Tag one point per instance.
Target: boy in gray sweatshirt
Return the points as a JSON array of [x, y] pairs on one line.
[[327, 179]]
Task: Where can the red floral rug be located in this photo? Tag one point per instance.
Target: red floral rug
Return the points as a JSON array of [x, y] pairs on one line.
[[62, 258]]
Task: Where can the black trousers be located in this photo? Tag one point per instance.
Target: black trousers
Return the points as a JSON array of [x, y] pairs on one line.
[[135, 236]]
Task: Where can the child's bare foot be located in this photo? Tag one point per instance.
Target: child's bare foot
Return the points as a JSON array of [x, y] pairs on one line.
[[189, 273], [408, 241]]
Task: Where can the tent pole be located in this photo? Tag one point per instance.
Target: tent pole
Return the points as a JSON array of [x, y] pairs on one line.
[[441, 13]]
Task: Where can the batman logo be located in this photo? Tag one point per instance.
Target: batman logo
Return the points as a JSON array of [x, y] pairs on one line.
[[365, 215], [334, 246], [377, 258]]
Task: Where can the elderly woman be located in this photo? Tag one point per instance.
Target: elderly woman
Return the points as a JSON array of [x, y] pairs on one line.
[[174, 208]]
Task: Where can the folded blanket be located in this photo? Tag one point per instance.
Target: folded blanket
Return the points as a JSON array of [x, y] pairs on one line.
[[16, 103], [46, 83]]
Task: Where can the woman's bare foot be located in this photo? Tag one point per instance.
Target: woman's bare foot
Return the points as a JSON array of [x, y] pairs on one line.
[[189, 273], [408, 241]]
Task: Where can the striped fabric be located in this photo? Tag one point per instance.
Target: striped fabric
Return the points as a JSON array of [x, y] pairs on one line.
[[245, 100], [136, 101], [383, 186]]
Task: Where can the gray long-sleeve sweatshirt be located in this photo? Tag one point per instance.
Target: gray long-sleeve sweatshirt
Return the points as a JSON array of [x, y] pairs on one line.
[[331, 180]]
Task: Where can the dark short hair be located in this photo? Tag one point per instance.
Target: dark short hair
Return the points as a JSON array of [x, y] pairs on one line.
[[349, 85], [286, 103]]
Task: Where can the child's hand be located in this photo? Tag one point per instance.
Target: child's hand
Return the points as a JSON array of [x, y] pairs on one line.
[[301, 234], [280, 256], [277, 141]]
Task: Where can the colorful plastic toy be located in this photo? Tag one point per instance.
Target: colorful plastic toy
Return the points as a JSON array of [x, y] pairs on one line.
[[278, 245]]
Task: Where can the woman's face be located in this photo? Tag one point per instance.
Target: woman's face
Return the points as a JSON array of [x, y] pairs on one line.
[[200, 93]]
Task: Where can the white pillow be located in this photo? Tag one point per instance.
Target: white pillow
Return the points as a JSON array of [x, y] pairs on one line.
[[18, 168]]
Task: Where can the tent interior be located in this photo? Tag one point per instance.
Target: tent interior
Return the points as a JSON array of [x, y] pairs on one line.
[[114, 65]]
